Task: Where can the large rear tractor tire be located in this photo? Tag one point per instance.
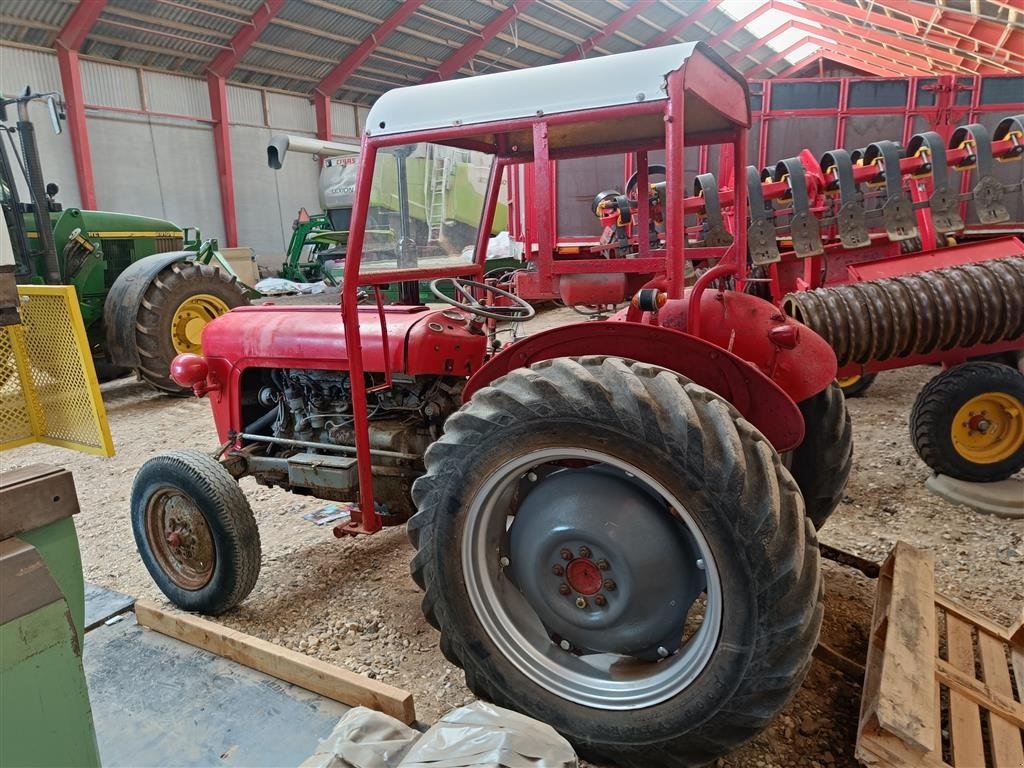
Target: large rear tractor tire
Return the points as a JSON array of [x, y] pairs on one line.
[[821, 463], [968, 422], [177, 305], [195, 531], [612, 549]]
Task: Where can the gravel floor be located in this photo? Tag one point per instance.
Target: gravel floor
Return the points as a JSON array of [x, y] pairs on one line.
[[351, 602]]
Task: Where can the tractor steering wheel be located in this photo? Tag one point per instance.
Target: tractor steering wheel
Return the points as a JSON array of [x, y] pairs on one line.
[[518, 312]]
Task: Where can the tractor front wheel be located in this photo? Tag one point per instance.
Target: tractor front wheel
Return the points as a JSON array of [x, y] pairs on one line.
[[968, 422], [195, 531], [613, 550], [179, 302]]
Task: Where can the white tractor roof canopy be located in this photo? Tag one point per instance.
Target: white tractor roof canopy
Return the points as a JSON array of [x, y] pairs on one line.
[[606, 81]]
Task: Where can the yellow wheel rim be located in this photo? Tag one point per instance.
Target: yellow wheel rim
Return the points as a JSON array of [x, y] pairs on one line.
[[849, 381], [989, 428], [191, 317]]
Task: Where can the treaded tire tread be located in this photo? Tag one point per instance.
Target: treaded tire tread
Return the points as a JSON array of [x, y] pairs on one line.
[[716, 451], [821, 464], [235, 533], [935, 407], [162, 298]]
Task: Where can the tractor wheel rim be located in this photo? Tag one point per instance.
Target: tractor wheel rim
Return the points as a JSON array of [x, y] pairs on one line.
[[180, 539], [849, 381], [601, 681], [989, 428], [189, 319]]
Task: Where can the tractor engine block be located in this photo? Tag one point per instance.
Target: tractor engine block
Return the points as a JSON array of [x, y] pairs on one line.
[[315, 407], [318, 407]]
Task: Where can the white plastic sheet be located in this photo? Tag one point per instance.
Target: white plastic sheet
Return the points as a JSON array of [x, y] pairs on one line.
[[478, 735]]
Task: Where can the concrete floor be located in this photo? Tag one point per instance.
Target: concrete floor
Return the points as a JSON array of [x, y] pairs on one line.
[[159, 702]]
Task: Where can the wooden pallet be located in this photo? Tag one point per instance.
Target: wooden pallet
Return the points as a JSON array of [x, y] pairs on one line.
[[943, 684]]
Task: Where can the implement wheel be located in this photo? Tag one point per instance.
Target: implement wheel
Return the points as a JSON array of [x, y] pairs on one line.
[[177, 305], [968, 422], [613, 550], [195, 531], [821, 463], [856, 385]]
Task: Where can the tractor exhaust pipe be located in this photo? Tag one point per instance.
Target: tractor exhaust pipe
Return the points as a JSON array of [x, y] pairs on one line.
[[37, 191], [282, 143]]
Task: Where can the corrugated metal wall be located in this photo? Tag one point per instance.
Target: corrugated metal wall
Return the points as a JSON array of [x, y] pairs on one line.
[[19, 68], [164, 165]]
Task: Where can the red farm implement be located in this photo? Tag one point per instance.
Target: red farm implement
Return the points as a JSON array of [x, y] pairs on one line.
[[898, 254]]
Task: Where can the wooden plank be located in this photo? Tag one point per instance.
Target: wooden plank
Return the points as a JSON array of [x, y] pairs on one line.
[[974, 690], [964, 715], [905, 705], [35, 496], [1007, 751], [949, 605], [309, 673]]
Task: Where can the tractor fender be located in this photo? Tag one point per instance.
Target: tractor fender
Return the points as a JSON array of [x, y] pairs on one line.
[[121, 307], [760, 400]]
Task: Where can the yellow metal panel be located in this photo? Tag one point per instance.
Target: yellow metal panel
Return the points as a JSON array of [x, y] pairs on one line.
[[48, 387]]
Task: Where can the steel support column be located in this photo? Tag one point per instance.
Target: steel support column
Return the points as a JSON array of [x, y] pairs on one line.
[[68, 41], [222, 149]]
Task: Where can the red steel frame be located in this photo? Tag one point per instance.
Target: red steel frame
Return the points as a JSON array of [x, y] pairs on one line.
[[68, 41], [539, 166]]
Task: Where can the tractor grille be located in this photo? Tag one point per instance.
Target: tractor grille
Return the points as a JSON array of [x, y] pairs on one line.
[[167, 244], [118, 254]]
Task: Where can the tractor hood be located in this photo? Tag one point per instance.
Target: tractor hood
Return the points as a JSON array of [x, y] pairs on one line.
[[419, 340]]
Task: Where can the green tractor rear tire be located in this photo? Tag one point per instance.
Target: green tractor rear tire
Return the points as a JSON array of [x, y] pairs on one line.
[[180, 300]]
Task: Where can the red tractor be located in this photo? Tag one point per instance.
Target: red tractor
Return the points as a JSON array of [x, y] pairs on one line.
[[613, 521]]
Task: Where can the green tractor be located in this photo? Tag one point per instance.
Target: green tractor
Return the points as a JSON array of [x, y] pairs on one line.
[[146, 287]]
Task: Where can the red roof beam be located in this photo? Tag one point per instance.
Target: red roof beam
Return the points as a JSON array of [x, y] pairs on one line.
[[673, 30], [912, 64], [724, 35], [876, 36], [609, 29], [758, 42], [79, 24], [344, 69], [964, 33], [839, 58], [944, 37], [225, 61], [775, 58], [465, 54]]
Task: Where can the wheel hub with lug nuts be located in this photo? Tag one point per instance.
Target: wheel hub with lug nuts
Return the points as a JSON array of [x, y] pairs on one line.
[[180, 538], [604, 564], [989, 428]]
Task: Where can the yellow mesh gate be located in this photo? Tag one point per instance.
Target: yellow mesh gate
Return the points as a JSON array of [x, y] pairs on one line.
[[48, 387]]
